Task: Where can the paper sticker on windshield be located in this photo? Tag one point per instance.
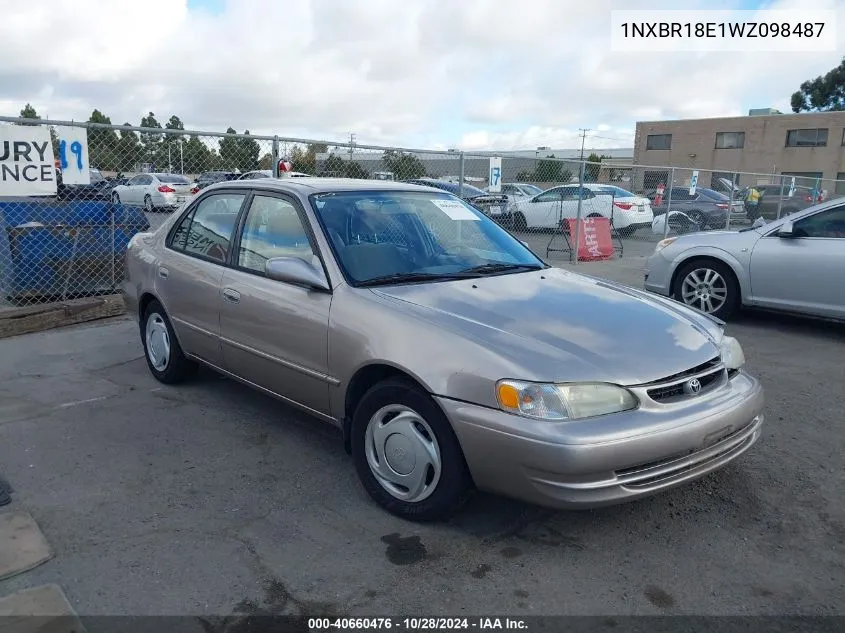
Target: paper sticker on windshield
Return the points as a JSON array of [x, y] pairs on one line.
[[455, 209]]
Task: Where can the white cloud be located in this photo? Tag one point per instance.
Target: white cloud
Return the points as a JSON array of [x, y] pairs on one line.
[[476, 73]]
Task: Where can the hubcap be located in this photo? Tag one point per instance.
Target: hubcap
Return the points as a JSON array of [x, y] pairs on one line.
[[158, 342], [705, 290], [403, 453]]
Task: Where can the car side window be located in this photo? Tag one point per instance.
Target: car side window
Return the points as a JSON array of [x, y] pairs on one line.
[[552, 195], [826, 224], [273, 228], [207, 229], [135, 181]]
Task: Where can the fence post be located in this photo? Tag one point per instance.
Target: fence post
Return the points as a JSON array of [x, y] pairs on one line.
[[731, 194], [112, 221], [275, 152], [581, 173], [668, 203], [780, 198], [461, 176]]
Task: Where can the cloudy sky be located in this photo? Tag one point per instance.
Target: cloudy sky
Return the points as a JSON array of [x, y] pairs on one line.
[[473, 74]]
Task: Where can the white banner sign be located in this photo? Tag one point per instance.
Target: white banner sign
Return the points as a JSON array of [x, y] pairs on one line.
[[27, 167], [693, 182], [73, 155], [495, 176]]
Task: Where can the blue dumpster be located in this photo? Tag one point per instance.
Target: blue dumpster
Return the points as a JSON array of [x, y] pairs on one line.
[[57, 250]]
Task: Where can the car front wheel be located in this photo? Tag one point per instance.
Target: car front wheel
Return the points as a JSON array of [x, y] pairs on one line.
[[406, 453], [708, 286]]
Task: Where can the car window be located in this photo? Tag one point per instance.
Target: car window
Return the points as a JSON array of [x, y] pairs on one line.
[[173, 179], [680, 195], [273, 228], [829, 224], [377, 234], [552, 195], [135, 181], [207, 230]]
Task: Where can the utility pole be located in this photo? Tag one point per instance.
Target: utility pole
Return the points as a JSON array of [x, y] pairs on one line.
[[351, 144], [583, 138]]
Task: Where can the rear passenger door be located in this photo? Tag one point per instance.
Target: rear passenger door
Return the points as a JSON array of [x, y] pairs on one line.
[[275, 334], [190, 270]]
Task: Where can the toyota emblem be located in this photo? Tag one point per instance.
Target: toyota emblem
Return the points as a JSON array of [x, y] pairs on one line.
[[693, 386]]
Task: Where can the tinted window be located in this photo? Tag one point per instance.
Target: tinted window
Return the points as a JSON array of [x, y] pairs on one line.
[[551, 195], [658, 141], [273, 228], [830, 223], [174, 179], [137, 180], [730, 140], [710, 193], [207, 230], [807, 138]]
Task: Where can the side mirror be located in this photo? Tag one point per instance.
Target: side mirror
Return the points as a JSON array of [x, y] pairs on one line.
[[294, 270], [785, 230]]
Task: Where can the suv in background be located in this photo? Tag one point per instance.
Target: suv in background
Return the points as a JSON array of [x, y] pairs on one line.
[[207, 178], [706, 208], [778, 195]]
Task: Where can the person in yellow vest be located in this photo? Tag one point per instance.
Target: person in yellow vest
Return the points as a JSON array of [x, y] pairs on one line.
[[752, 203]]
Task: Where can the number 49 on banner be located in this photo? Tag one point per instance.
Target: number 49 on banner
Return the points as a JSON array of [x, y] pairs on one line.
[[73, 155]]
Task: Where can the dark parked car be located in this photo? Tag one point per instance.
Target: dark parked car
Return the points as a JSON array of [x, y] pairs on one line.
[[99, 188], [778, 195], [493, 204], [706, 208], [207, 178]]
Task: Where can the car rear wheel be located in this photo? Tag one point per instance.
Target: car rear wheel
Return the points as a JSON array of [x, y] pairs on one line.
[[406, 453], [115, 198], [698, 218], [148, 204], [519, 222], [708, 286], [165, 358]]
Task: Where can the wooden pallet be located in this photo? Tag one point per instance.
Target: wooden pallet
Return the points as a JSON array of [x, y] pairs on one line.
[[37, 318]]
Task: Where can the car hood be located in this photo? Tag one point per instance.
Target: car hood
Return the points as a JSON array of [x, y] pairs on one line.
[[558, 325]]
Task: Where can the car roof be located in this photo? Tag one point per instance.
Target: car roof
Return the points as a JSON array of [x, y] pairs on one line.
[[313, 184]]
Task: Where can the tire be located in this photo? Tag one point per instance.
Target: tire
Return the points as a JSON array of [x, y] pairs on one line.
[[704, 269], [148, 204], [519, 222], [156, 329], [440, 494], [698, 218], [115, 198]]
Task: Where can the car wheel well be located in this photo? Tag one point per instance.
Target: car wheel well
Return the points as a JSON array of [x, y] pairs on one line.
[[145, 300], [702, 259], [360, 383]]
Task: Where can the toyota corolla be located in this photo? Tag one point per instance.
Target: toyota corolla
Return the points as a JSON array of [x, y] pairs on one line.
[[452, 357]]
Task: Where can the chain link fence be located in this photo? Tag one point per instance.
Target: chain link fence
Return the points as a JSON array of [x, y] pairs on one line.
[[71, 244]]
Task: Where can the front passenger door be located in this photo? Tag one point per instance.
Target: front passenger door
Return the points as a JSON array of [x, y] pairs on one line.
[[805, 272], [275, 334]]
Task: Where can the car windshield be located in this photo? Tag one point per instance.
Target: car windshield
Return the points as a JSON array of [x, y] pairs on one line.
[[399, 236], [173, 179], [95, 175]]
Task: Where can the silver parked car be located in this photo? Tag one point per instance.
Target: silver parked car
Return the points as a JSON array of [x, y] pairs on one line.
[[796, 264], [451, 356]]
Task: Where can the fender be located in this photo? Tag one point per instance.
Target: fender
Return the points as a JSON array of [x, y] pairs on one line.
[[739, 268]]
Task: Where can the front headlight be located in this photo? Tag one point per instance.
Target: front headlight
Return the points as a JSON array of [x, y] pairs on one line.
[[569, 401], [664, 243], [731, 351]]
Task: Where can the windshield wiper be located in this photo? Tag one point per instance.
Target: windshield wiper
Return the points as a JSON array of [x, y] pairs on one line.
[[403, 277], [499, 267]]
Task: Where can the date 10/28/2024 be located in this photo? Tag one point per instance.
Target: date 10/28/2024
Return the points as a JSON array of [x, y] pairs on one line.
[[417, 624]]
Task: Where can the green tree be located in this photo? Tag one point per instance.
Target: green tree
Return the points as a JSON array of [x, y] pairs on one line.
[[28, 112], [129, 150], [524, 176], [825, 93], [250, 150], [593, 167], [198, 157], [102, 143], [549, 170], [353, 169], [405, 166], [333, 166], [170, 154], [239, 153], [266, 161], [151, 141]]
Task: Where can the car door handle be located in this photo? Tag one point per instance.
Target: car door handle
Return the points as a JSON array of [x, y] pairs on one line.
[[163, 273], [231, 295]]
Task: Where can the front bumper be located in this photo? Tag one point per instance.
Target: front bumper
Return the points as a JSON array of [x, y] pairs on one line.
[[657, 275], [611, 459]]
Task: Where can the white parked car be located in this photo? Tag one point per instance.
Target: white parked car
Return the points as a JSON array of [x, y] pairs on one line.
[[518, 190], [154, 191], [550, 208]]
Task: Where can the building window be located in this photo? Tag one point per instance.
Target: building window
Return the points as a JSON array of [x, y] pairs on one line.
[[658, 141], [840, 183], [807, 138], [730, 140]]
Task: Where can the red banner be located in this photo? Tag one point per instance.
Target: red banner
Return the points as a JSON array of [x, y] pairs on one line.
[[594, 241]]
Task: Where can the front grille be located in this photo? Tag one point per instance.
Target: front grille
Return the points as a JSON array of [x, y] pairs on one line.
[[710, 376]]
